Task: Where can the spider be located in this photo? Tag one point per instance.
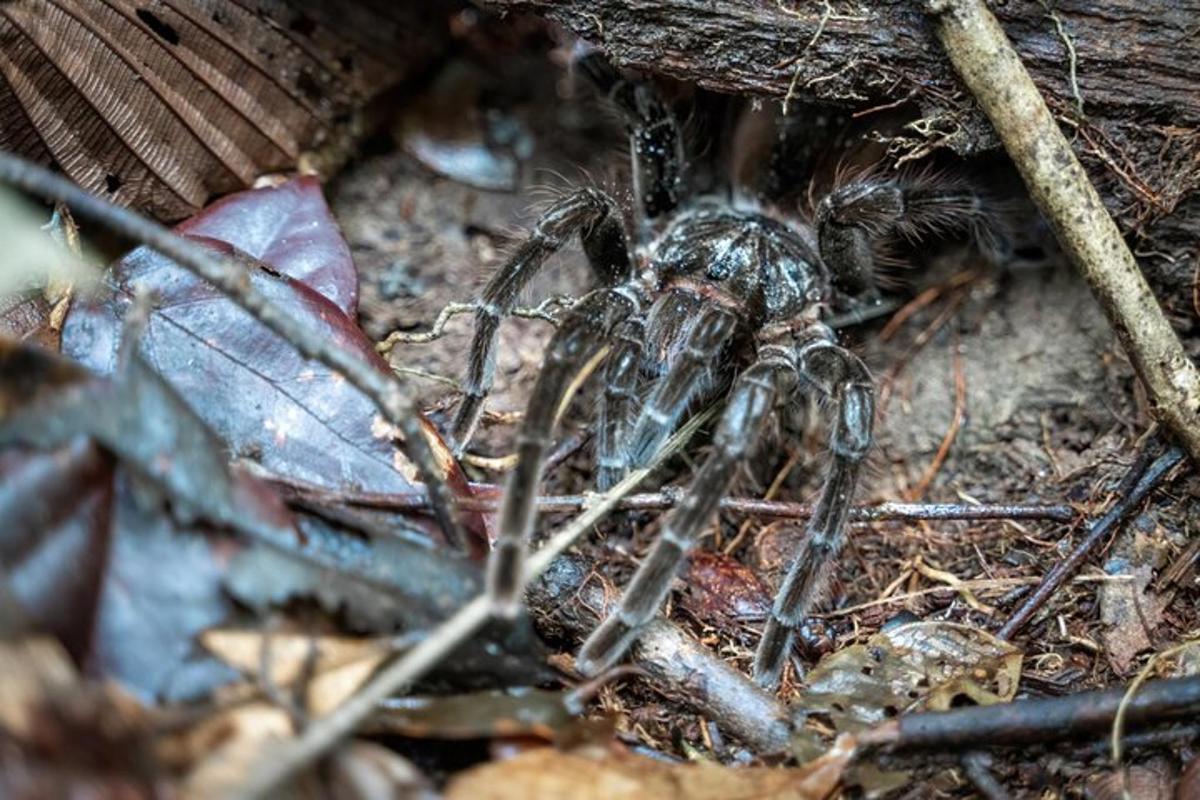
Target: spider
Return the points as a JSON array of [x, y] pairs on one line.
[[714, 281]]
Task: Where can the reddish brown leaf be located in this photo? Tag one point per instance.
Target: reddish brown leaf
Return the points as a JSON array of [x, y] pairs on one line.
[[546, 772], [721, 587], [291, 228], [67, 738], [161, 105], [261, 397]]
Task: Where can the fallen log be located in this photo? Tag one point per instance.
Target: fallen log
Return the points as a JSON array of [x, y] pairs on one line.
[[1120, 76]]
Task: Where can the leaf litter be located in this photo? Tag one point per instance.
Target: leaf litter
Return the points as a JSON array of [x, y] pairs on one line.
[[139, 518]]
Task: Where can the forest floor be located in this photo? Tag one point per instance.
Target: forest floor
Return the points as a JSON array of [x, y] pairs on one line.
[[998, 383]]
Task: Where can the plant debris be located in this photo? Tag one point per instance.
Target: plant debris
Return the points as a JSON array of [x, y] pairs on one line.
[[222, 574]]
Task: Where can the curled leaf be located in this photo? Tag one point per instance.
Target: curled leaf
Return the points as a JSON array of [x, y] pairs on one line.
[[916, 666]]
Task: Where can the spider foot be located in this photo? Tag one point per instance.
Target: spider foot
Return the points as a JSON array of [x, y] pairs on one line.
[[773, 648]]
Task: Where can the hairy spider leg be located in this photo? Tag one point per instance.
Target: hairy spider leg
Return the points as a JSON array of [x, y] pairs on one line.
[[855, 214], [584, 332], [663, 332], [654, 140], [751, 400], [618, 400], [836, 373], [592, 214], [689, 374]]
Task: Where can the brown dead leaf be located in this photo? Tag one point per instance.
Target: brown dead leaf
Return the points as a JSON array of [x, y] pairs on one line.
[[1153, 780], [338, 665], [368, 771], [548, 773], [1130, 613], [1189, 781], [32, 669], [64, 737], [223, 747], [161, 105], [918, 666]]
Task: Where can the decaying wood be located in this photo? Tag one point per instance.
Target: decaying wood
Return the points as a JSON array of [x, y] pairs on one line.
[[1136, 67], [983, 56], [160, 105]]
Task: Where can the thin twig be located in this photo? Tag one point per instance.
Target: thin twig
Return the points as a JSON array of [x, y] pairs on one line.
[[234, 281], [960, 585], [977, 767], [1058, 184], [1024, 722], [276, 764], [540, 312], [486, 499], [1119, 719], [1099, 531], [1073, 59]]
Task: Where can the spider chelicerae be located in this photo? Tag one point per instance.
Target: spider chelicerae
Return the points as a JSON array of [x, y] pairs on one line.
[[714, 281]]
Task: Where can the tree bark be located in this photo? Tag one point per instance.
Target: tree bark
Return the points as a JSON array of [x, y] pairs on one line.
[[1136, 67]]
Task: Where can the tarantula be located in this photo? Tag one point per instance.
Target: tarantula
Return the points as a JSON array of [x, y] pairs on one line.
[[712, 277]]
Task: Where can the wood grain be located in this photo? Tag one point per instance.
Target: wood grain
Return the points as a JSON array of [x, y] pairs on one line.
[[1137, 65], [163, 104]]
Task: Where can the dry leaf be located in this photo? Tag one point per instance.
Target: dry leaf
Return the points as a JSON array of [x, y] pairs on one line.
[[368, 771], [161, 105], [223, 747], [1153, 780], [917, 666], [64, 737], [1130, 613], [921, 665], [548, 773], [32, 669], [338, 665]]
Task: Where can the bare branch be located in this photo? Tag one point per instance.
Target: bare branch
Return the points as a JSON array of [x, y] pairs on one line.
[[992, 70]]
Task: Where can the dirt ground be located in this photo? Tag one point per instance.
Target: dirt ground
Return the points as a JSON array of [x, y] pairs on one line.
[[1010, 371]]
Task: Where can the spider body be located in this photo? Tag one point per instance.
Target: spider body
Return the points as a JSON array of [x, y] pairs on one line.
[[765, 270], [715, 283]]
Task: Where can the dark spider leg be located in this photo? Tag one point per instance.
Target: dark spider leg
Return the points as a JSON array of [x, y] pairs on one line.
[[595, 216], [841, 375], [854, 215], [750, 401], [665, 326], [654, 139], [584, 331], [689, 374], [618, 401]]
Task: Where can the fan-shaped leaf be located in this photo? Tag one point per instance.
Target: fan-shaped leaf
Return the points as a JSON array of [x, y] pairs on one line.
[[161, 105]]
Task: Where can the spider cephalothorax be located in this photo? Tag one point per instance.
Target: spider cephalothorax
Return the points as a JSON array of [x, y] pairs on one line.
[[712, 279]]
